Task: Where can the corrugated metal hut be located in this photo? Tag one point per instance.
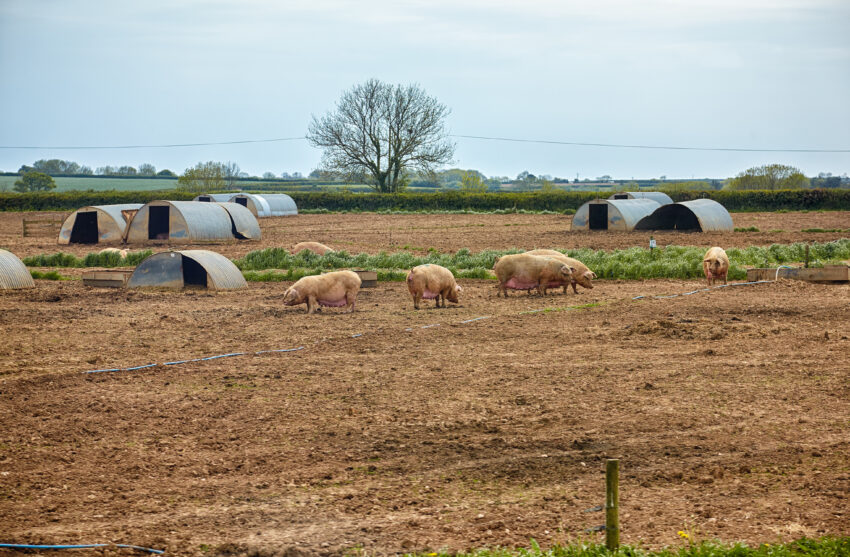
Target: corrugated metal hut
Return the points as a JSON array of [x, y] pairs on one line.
[[13, 272], [660, 197], [214, 197], [699, 215], [194, 268], [267, 204], [612, 214], [189, 222], [98, 224]]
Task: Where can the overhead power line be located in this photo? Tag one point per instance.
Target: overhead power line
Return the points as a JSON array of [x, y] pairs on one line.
[[662, 147], [481, 137], [81, 147]]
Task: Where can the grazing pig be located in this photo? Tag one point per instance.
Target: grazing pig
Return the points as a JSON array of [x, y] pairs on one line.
[[315, 247], [121, 252], [335, 289], [525, 272], [715, 265], [581, 274], [432, 282]]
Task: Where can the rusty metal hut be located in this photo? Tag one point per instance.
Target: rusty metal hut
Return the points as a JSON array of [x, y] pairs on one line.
[[189, 222], [214, 197], [699, 215], [13, 272], [267, 204], [612, 214], [194, 268], [98, 224], [661, 197]]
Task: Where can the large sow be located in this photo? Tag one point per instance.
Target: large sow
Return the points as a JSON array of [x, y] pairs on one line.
[[432, 282], [525, 272], [581, 274], [335, 289]]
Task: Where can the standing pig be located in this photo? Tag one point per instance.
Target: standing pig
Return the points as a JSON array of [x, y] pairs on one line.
[[715, 265], [524, 272], [581, 274], [315, 247], [432, 282], [335, 289]]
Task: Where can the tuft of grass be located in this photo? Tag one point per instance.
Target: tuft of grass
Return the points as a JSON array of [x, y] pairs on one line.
[[48, 275], [747, 229]]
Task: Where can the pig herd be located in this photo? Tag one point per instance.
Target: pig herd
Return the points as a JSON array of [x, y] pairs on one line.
[[539, 269]]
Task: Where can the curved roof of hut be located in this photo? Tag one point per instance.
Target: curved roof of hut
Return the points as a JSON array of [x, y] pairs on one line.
[[704, 215], [626, 214], [192, 222], [661, 197], [13, 272], [270, 204], [111, 223], [166, 270], [245, 225], [217, 197]]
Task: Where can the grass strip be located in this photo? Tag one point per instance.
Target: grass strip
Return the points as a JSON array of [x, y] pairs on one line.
[[636, 263], [805, 547]]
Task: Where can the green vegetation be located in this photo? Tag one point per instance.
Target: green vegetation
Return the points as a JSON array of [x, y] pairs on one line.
[[683, 262], [824, 547], [747, 229], [34, 181], [48, 275], [679, 262], [557, 201], [769, 177], [109, 259]]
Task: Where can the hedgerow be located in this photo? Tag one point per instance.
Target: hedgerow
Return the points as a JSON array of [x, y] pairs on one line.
[[556, 201]]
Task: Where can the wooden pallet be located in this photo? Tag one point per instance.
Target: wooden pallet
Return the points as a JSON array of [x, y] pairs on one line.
[[829, 274], [41, 227]]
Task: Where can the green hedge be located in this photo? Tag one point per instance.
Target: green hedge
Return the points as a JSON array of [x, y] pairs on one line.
[[558, 201]]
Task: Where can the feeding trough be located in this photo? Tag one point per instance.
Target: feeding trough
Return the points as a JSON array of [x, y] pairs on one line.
[[830, 274], [106, 279], [368, 279]]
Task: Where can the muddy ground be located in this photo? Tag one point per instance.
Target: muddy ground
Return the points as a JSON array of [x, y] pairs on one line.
[[372, 233], [433, 429]]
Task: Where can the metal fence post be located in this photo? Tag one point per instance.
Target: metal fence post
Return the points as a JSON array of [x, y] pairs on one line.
[[612, 504]]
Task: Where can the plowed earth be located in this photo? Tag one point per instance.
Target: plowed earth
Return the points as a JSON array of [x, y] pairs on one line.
[[372, 233], [729, 409]]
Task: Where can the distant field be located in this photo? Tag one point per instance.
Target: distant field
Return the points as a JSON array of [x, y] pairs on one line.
[[99, 184]]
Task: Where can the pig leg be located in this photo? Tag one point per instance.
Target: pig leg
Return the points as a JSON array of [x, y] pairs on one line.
[[350, 298], [501, 290], [573, 283], [311, 304], [416, 299]]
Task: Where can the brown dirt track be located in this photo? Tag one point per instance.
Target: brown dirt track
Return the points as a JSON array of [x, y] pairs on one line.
[[728, 409]]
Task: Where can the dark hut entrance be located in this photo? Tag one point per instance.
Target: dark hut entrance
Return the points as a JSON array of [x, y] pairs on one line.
[[85, 228]]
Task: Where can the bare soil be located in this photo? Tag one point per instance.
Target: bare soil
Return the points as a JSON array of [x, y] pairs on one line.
[[372, 233], [728, 409]]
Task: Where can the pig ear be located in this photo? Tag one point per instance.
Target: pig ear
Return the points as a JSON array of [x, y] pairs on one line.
[[590, 275], [572, 270], [458, 288]]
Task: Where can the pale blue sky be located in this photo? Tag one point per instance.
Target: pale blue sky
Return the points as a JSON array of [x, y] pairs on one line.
[[767, 74]]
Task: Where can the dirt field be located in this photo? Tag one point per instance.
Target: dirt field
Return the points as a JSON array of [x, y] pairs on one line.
[[728, 409], [372, 233]]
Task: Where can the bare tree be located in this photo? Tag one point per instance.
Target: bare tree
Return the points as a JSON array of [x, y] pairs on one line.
[[382, 130], [231, 173]]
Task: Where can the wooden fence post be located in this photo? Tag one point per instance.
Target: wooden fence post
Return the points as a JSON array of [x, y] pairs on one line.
[[612, 504]]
